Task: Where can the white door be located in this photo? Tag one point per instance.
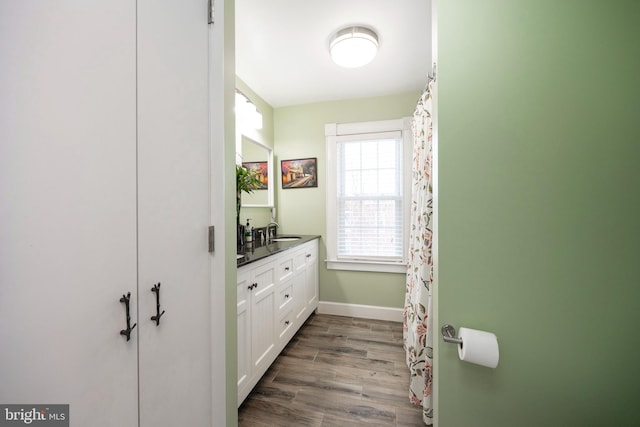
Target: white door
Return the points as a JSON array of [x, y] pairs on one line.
[[173, 211], [68, 207]]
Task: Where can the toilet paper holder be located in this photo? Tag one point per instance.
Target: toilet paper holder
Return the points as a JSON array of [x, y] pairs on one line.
[[449, 334]]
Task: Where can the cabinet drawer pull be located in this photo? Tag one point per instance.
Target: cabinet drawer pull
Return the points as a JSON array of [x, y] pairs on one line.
[[286, 269], [127, 332], [286, 295], [251, 286], [308, 255], [286, 322]]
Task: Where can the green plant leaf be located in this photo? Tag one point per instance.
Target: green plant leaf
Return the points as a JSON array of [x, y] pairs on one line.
[[246, 180]]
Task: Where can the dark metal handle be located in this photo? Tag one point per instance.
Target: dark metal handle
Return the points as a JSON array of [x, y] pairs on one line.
[[251, 286], [286, 322], [127, 332], [156, 318], [286, 295], [286, 269], [308, 255]]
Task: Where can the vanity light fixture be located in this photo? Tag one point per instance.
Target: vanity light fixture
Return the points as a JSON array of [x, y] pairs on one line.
[[354, 47], [246, 112]]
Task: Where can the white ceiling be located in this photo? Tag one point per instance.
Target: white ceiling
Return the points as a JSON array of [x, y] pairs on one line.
[[282, 48]]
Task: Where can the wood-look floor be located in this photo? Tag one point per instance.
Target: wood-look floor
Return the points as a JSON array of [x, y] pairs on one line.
[[337, 371]]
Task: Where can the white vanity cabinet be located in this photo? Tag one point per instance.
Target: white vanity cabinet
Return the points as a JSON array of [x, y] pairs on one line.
[[256, 291], [305, 263], [275, 296]]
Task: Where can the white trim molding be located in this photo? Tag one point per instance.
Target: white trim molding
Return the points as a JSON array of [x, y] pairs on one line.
[[361, 311], [382, 267]]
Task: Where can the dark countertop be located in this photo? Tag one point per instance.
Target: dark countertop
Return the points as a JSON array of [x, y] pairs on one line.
[[252, 254]]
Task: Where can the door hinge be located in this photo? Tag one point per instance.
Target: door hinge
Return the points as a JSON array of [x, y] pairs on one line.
[[211, 12], [211, 238]]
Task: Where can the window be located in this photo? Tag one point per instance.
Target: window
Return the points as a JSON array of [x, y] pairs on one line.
[[367, 195]]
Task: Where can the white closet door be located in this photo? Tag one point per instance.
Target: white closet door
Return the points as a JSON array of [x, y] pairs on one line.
[[68, 207], [173, 177]]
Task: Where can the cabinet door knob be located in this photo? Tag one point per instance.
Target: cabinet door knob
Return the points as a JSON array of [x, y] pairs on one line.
[[286, 295], [286, 322]]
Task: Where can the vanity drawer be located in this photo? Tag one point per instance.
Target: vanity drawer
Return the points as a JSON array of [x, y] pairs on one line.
[[285, 326], [285, 269], [285, 296]]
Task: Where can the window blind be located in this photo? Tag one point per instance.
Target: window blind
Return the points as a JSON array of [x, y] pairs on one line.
[[369, 197]]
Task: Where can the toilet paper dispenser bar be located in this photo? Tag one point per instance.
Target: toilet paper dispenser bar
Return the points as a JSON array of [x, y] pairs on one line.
[[449, 334]]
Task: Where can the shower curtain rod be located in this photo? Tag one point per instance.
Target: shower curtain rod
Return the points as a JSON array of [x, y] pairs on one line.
[[430, 78]]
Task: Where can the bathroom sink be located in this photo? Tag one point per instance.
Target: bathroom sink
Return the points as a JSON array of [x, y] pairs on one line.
[[285, 239], [238, 256]]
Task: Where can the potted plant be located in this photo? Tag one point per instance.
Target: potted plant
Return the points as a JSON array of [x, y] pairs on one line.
[[246, 182]]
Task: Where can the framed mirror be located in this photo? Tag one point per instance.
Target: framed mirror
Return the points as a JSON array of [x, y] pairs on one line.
[[259, 157]]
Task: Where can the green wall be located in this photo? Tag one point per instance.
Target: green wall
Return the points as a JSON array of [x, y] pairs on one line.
[[539, 209], [299, 133]]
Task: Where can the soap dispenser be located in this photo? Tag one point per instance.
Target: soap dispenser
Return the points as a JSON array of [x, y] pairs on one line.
[[248, 234]]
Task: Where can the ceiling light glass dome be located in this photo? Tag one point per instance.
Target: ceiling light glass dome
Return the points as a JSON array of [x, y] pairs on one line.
[[354, 47]]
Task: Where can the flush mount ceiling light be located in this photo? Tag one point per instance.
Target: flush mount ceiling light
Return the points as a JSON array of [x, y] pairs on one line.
[[354, 47]]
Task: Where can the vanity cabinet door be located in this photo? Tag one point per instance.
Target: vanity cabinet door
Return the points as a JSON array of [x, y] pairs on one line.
[[311, 276], [244, 331], [263, 316], [300, 303], [257, 311]]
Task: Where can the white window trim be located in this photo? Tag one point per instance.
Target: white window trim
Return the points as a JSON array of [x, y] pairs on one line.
[[332, 131]]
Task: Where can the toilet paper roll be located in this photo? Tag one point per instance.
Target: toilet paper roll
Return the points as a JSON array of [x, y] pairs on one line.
[[478, 347]]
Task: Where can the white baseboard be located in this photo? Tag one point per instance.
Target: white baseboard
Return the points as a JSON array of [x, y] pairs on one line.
[[362, 311]]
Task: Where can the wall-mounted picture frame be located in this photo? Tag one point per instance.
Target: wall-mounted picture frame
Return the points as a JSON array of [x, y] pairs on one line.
[[299, 173], [261, 170]]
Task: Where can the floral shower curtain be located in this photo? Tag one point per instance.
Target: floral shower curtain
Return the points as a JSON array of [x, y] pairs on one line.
[[418, 324]]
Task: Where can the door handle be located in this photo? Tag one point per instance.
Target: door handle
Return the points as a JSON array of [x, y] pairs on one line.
[[156, 289], [127, 332]]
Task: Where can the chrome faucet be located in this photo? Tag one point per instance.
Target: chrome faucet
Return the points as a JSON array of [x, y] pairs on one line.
[[272, 234]]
